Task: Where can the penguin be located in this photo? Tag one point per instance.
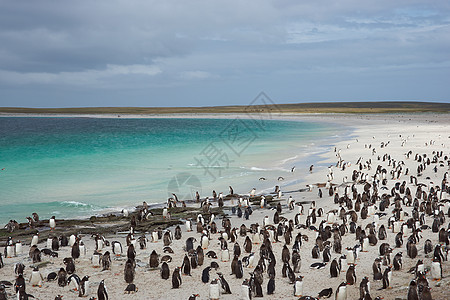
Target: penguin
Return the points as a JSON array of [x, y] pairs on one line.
[[387, 277], [186, 266], [341, 292], [298, 286], [36, 277], [351, 275], [154, 261], [271, 285], [398, 261], [204, 241], [382, 235], [10, 250], [428, 247], [62, 277], [399, 240], [436, 269], [106, 261], [20, 283], [18, 248], [248, 245], [214, 290], [55, 244], [84, 287], [129, 271], [52, 276], [225, 255], [193, 296], [73, 282], [426, 294], [165, 272], [176, 278], [224, 284], [376, 268], [256, 285], [70, 265], [75, 253], [325, 293], [131, 288], [296, 261], [412, 291], [52, 223], [71, 241], [205, 274], [35, 240], [102, 293], [239, 272], [326, 254], [334, 268], [200, 256], [318, 266], [116, 248], [96, 259], [190, 243], [364, 288], [246, 290]]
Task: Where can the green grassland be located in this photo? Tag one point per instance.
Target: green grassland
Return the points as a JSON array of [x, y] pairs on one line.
[[323, 107]]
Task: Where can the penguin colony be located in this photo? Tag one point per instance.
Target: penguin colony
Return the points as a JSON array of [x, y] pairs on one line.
[[386, 206]]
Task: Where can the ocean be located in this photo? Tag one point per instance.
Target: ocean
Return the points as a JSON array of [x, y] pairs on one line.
[[76, 167]]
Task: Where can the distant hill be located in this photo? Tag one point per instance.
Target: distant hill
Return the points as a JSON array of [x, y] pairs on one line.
[[323, 107]]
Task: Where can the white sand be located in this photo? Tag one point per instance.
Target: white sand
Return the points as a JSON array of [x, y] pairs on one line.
[[422, 133]]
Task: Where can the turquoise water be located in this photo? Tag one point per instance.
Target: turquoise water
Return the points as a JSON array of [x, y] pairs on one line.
[[77, 167]]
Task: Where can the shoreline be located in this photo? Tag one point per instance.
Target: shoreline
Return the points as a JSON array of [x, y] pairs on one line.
[[413, 133]]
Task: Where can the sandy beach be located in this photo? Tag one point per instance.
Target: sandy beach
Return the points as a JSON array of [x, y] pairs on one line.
[[374, 138]]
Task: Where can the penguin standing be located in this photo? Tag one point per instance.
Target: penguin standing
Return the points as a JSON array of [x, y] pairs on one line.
[[186, 266], [436, 269], [154, 261], [62, 277], [129, 271], [73, 282], [271, 285], [351, 275], [18, 249], [238, 271], [387, 277], [106, 261], [214, 290], [165, 272], [35, 240], [412, 291], [224, 284], [36, 277], [55, 244], [334, 268], [102, 294], [52, 223], [10, 248], [176, 278], [298, 286], [75, 253], [341, 292], [364, 288], [246, 290], [84, 287], [205, 274], [116, 248]]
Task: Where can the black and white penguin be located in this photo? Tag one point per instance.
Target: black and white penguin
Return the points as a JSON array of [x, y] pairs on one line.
[[364, 288], [131, 288], [62, 277], [298, 286], [387, 278], [436, 269], [246, 290], [376, 268], [106, 261], [165, 272], [271, 285], [74, 282], [36, 277], [70, 265], [84, 287], [224, 284], [325, 293], [412, 291], [214, 290], [102, 293], [176, 278], [239, 272], [351, 275], [154, 260], [334, 268], [326, 254], [190, 243], [75, 253], [317, 266], [52, 223], [193, 296], [398, 261], [186, 266], [129, 271], [205, 274], [341, 292], [117, 248], [256, 285]]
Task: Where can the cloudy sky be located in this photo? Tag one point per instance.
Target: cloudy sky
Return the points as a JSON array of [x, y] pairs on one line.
[[214, 52]]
